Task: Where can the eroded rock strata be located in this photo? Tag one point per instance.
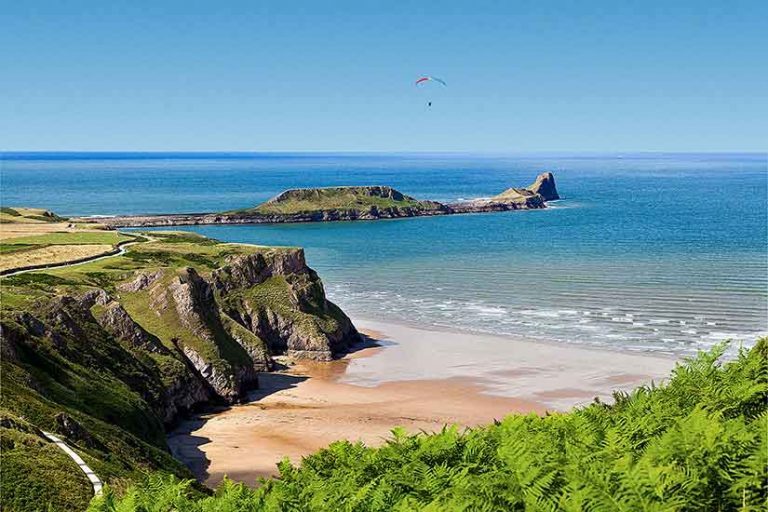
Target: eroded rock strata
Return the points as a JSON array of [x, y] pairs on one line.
[[179, 337]]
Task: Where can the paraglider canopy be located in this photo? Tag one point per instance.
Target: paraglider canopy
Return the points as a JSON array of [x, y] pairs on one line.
[[426, 79], [423, 79]]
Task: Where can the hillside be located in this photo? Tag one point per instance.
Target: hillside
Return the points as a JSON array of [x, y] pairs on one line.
[[359, 199], [107, 354]]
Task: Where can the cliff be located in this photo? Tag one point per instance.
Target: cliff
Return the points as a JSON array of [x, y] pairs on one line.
[[347, 204], [122, 347], [545, 186]]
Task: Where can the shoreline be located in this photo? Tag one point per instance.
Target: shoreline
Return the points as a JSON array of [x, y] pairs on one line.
[[404, 376]]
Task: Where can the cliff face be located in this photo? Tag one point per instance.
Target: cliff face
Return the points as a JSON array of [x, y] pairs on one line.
[[282, 301], [545, 186], [123, 349]]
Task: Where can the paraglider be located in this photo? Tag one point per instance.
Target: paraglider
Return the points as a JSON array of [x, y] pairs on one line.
[[431, 79], [422, 81]]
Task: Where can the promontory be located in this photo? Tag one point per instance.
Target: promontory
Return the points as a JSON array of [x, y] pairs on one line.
[[345, 204]]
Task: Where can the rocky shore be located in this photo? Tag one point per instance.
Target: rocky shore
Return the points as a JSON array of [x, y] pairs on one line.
[[372, 203]]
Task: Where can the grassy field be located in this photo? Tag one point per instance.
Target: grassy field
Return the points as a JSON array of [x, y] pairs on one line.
[[337, 198], [10, 215], [30, 236], [52, 254], [70, 238]]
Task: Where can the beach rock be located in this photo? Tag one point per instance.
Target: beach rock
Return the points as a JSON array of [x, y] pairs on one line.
[[229, 385], [294, 318], [184, 393], [545, 186]]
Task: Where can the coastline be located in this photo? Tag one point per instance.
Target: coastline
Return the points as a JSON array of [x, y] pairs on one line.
[[404, 376]]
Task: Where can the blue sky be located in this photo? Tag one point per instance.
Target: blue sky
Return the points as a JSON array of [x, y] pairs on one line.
[[338, 76]]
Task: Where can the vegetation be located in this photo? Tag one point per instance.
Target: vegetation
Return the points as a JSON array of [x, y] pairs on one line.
[[101, 362], [32, 237], [699, 442], [27, 215], [74, 238], [339, 198], [25, 453], [512, 195]]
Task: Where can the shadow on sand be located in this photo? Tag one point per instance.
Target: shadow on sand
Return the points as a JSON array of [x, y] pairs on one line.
[[185, 446]]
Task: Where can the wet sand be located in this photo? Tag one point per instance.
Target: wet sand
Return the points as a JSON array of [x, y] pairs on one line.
[[417, 379]]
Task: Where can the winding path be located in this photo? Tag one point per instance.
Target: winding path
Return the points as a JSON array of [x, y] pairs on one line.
[[119, 250], [95, 480]]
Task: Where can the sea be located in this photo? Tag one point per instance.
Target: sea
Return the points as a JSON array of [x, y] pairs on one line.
[[644, 252]]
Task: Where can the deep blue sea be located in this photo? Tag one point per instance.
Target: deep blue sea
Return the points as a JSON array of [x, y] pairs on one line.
[[646, 251]]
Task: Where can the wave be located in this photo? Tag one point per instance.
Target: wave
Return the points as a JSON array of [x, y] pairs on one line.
[[611, 326]]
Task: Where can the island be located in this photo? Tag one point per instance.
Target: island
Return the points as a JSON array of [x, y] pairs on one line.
[[346, 204]]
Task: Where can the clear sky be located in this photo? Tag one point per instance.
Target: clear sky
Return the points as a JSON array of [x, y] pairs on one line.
[[338, 76]]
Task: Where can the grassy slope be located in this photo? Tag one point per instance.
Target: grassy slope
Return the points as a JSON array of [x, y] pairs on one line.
[[37, 237], [83, 238], [700, 442], [26, 453], [106, 386], [513, 195], [335, 198], [24, 215]]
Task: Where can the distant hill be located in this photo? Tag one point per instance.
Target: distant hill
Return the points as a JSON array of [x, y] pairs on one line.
[[330, 204], [361, 199]]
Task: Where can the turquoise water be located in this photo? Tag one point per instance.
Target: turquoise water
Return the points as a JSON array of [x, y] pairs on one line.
[[649, 251]]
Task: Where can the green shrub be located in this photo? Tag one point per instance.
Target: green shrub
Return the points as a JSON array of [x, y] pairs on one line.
[[699, 442]]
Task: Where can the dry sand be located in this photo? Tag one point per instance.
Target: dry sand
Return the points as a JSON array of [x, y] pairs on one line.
[[418, 379]]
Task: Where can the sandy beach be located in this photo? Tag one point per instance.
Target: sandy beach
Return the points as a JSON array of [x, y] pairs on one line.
[[404, 376]]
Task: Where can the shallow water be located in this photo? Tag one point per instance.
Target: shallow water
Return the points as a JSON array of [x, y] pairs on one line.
[[661, 252]]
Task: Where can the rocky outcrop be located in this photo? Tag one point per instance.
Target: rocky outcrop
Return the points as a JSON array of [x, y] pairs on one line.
[[116, 320], [390, 204], [545, 187], [73, 431], [248, 270], [141, 281], [294, 317], [230, 386]]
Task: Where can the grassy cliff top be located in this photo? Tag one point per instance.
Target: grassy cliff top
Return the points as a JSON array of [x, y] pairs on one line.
[[154, 250], [27, 215], [338, 198], [512, 195], [35, 237]]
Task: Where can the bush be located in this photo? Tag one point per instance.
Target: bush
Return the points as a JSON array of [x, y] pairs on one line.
[[700, 442]]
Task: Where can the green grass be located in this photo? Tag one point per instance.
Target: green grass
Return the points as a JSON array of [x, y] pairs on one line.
[[338, 198], [7, 248], [30, 465], [110, 387], [699, 442], [20, 215], [59, 357], [74, 238]]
